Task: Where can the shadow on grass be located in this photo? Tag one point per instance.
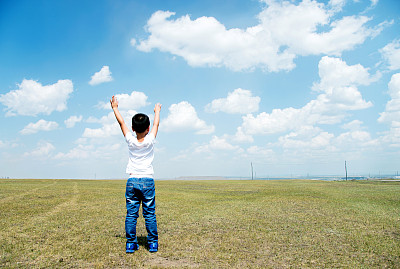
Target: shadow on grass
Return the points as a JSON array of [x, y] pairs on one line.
[[142, 241]]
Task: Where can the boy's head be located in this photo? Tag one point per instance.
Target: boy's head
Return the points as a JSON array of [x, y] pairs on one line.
[[140, 123]]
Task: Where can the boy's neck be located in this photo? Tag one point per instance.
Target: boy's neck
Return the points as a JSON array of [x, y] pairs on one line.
[[140, 136]]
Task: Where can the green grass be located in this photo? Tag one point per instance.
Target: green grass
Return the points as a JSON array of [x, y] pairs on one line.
[[206, 224]]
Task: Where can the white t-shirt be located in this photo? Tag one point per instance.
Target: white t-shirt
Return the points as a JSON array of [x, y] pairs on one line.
[[141, 155]]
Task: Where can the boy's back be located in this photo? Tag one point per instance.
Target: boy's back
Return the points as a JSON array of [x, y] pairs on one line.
[[141, 155]]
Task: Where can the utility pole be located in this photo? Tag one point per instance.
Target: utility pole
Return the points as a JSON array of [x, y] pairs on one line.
[[251, 170], [345, 168]]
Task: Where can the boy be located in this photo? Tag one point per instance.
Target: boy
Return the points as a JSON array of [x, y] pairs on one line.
[[140, 185]]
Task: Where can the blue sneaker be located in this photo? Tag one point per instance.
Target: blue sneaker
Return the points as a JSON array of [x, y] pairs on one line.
[[153, 247], [131, 247]]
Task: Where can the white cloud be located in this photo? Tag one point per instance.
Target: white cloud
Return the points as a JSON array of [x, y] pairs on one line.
[[392, 137], [278, 121], [329, 107], [132, 101], [31, 98], [337, 5], [307, 137], [220, 143], [206, 42], [394, 86], [40, 125], [71, 121], [103, 142], [285, 30], [104, 75], [106, 130], [43, 149], [353, 125], [392, 111], [241, 137], [261, 152], [90, 150], [109, 127], [391, 114], [127, 105], [340, 99], [374, 2], [79, 152], [182, 117], [237, 102], [295, 26], [313, 141], [216, 143], [92, 119], [355, 139], [334, 72], [391, 53], [8, 144]]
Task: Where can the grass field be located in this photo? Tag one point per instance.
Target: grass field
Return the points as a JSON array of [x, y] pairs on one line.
[[206, 224]]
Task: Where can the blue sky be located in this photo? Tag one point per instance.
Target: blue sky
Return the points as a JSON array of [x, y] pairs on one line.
[[294, 87]]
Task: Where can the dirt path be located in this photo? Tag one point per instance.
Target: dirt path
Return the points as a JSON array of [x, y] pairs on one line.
[[59, 208]]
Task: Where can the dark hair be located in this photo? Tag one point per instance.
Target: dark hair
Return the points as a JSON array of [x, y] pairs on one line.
[[140, 123]]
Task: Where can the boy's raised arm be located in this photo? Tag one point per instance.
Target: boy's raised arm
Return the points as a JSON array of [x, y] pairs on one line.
[[156, 122], [114, 106]]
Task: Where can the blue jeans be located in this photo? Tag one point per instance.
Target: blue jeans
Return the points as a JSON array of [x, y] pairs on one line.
[[140, 190]]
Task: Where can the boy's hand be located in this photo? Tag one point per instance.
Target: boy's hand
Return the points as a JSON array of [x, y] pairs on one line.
[[157, 107], [156, 121], [114, 106], [114, 102]]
